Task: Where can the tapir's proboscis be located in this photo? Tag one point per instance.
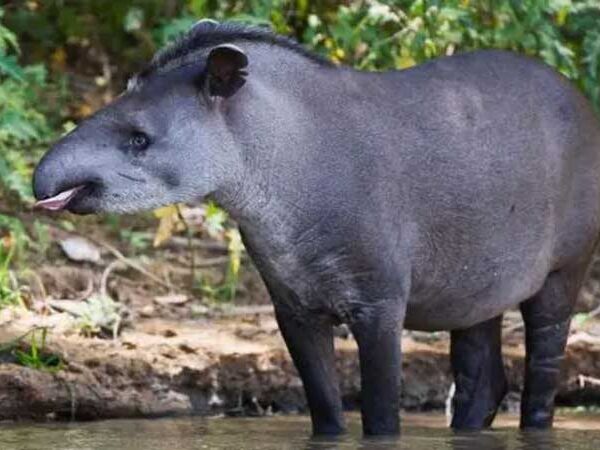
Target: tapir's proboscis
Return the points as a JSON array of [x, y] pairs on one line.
[[431, 198]]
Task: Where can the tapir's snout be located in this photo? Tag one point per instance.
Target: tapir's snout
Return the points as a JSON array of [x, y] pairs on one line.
[[62, 178]]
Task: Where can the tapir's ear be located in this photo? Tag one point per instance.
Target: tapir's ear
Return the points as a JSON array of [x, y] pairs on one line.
[[225, 70], [204, 25]]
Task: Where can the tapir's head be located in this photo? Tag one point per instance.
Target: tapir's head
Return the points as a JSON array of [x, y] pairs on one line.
[[165, 140]]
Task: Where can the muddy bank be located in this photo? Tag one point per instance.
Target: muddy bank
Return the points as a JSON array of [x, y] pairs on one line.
[[235, 365]]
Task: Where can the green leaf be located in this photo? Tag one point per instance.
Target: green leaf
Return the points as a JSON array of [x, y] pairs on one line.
[[214, 219], [134, 20], [10, 68]]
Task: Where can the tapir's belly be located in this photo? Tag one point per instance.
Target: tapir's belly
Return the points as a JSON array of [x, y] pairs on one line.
[[453, 310], [481, 269], [453, 314]]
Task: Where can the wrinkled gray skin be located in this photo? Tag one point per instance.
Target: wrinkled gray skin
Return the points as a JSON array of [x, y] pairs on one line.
[[433, 198]]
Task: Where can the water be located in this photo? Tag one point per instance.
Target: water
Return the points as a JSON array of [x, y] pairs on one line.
[[420, 432]]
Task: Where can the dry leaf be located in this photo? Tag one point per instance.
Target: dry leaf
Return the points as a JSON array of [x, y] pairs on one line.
[[173, 299], [169, 223], [235, 247], [78, 248]]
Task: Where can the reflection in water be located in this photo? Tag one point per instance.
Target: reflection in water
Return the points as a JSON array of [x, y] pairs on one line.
[[487, 440], [542, 440], [419, 433]]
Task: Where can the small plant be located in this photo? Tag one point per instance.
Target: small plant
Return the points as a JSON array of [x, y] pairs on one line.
[[235, 249], [97, 315], [216, 224], [100, 312], [10, 294], [137, 240], [225, 292], [36, 357]]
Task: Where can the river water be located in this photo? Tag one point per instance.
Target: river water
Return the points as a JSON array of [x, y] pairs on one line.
[[420, 432]]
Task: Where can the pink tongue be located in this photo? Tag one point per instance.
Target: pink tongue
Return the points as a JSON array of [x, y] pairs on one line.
[[59, 201]]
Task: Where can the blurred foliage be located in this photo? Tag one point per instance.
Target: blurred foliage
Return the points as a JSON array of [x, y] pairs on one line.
[[367, 34], [224, 291], [9, 293], [11, 244], [22, 124], [398, 34], [95, 45]]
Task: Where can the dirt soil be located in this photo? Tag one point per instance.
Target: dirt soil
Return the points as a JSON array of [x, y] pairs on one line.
[[180, 354]]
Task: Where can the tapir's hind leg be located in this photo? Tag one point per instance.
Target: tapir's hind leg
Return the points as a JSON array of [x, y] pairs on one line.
[[547, 317], [476, 357]]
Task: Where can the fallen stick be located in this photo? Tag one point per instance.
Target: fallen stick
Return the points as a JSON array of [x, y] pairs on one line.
[[583, 379], [245, 311], [104, 280], [178, 241], [582, 336], [129, 262]]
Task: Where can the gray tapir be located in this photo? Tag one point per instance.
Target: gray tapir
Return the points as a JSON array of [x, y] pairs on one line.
[[433, 198]]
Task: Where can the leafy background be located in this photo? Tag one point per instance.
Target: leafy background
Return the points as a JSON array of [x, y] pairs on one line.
[[62, 59]]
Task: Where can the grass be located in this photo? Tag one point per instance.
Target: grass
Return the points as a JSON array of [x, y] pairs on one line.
[[35, 355], [219, 293], [10, 294]]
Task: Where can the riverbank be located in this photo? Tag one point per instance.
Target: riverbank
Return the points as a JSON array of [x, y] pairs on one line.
[[128, 335], [233, 363]]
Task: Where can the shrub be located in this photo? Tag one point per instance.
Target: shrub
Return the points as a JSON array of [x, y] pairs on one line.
[[23, 128]]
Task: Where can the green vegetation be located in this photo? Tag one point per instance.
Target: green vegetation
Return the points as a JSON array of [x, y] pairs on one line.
[[10, 244], [22, 124], [216, 224], [32, 352], [61, 60], [35, 356], [9, 293], [97, 315]]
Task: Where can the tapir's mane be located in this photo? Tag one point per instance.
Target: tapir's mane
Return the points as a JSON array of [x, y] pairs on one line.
[[208, 34]]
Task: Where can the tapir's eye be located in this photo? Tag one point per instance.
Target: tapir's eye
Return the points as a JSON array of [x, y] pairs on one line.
[[139, 141]]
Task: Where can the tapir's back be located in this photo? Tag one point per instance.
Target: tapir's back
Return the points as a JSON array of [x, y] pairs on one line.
[[498, 133], [499, 157]]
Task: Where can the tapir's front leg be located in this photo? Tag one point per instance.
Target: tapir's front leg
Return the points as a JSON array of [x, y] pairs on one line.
[[376, 330], [310, 343]]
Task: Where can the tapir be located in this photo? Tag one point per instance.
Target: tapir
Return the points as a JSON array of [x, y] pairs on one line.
[[431, 198]]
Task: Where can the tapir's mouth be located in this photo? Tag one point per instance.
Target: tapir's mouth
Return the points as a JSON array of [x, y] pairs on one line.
[[60, 200]]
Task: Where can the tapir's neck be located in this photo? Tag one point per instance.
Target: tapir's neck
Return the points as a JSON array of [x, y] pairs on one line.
[[277, 123], [297, 130]]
